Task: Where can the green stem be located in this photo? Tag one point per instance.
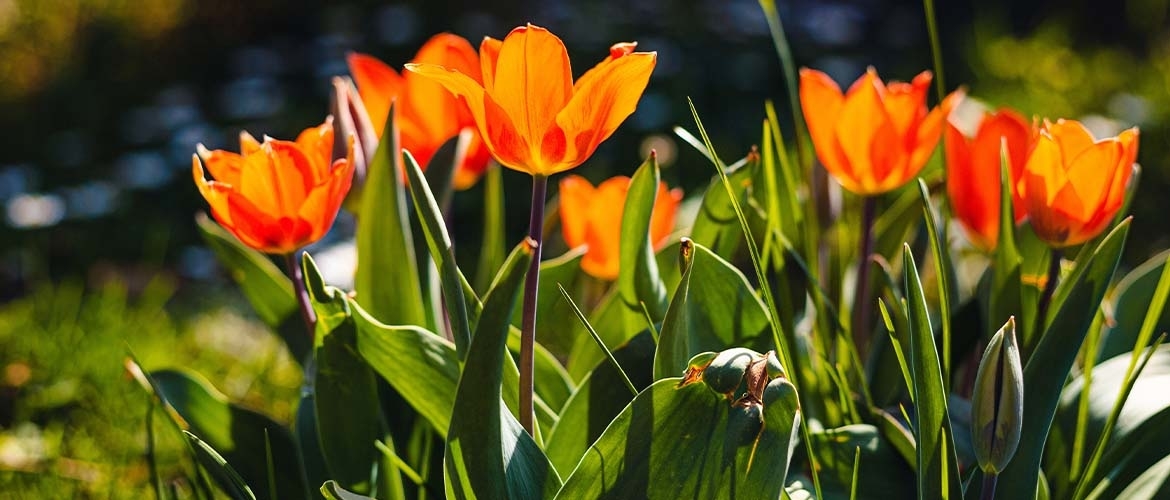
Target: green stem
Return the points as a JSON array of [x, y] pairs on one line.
[[297, 275], [861, 303], [935, 48], [1046, 296], [989, 481], [531, 284]]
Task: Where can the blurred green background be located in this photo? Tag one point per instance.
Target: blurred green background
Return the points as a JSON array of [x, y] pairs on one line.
[[103, 102]]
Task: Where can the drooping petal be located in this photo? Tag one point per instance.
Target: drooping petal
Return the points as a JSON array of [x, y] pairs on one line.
[[466, 87], [378, 85], [821, 100], [533, 81], [604, 97]]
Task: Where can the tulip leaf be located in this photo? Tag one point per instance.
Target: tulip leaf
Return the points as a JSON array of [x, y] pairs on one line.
[[488, 454], [493, 249], [553, 328], [1051, 361], [714, 308], [267, 289], [883, 471], [1137, 440], [690, 442], [639, 283], [308, 440], [219, 468], [937, 466], [343, 386], [239, 436], [599, 398], [440, 171], [944, 274], [334, 491], [1132, 300], [1004, 294], [387, 278], [441, 250]]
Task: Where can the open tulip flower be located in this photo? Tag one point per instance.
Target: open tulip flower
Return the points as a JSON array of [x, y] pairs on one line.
[[427, 115], [276, 196], [876, 137], [593, 216], [973, 172], [531, 115], [1073, 185]]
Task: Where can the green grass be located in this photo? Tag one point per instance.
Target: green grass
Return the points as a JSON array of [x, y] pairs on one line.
[[72, 423]]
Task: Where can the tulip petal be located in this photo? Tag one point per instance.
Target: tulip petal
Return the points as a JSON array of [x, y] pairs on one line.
[[264, 232], [378, 85], [603, 233], [665, 209], [214, 192], [576, 195], [277, 179], [867, 138], [973, 188], [321, 205], [533, 81], [821, 101], [489, 53], [1072, 136], [224, 166], [317, 145], [604, 97], [905, 104], [248, 144], [1091, 173]]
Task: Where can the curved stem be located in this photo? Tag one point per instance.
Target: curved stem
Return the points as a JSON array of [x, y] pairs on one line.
[[293, 267], [531, 283], [861, 304], [1046, 296]]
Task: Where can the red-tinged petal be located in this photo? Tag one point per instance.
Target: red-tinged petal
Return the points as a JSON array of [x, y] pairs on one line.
[[507, 145], [214, 192], [475, 162], [258, 229], [973, 192], [426, 104], [277, 178], [320, 208], [317, 145], [604, 97], [1009, 126], [821, 101], [863, 121], [1053, 224], [533, 81], [489, 53], [378, 85], [665, 209], [224, 166], [930, 130], [576, 196]]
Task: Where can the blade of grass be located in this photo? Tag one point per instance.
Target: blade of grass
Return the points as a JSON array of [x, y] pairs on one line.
[[270, 465], [935, 48], [597, 338], [856, 467], [1092, 342], [942, 271], [400, 464], [649, 322], [780, 40]]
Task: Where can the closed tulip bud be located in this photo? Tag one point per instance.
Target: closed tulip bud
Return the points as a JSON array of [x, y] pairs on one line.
[[353, 124], [725, 373], [997, 407]]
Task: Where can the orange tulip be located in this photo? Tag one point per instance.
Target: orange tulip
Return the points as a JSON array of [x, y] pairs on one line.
[[1073, 185], [427, 115], [593, 216], [876, 137], [531, 115], [276, 196], [973, 183]]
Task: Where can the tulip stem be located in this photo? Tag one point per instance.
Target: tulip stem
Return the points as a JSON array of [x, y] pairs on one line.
[[297, 275], [989, 481], [861, 305], [1046, 296], [531, 284]]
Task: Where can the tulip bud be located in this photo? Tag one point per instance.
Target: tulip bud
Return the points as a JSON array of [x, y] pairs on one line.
[[353, 123], [997, 407], [725, 373]]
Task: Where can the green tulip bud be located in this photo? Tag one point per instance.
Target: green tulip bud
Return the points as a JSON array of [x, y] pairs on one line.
[[997, 406], [725, 373], [775, 369]]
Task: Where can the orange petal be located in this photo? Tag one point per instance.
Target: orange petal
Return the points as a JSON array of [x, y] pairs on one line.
[[431, 110], [1091, 173], [378, 85], [821, 100], [1007, 125], [475, 162], [248, 144], [262, 231], [321, 205], [1043, 174], [603, 232], [533, 81], [214, 192], [665, 209], [604, 97], [929, 132], [575, 194], [862, 131], [463, 86], [1072, 136], [276, 179], [317, 145], [974, 197], [905, 103], [224, 166], [489, 53]]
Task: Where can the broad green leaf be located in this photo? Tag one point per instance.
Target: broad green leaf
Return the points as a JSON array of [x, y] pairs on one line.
[[344, 390], [883, 472], [308, 441], [554, 328], [334, 491], [488, 454], [1131, 301], [264, 285], [1140, 436], [714, 308], [492, 251], [552, 383], [601, 396], [614, 320], [387, 280], [1004, 294], [236, 433], [440, 171], [218, 467], [937, 467], [441, 250], [639, 283], [689, 442], [1053, 358]]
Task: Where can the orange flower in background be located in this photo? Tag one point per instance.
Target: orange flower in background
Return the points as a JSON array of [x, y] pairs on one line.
[[973, 164], [276, 196], [531, 115], [593, 216], [1073, 185], [427, 115], [875, 137]]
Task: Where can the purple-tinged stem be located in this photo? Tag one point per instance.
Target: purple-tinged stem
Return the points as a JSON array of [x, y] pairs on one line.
[[293, 265], [862, 304], [531, 284], [1046, 295]]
